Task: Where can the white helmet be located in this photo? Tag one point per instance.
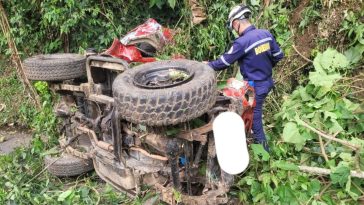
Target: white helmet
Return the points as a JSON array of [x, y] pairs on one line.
[[238, 12]]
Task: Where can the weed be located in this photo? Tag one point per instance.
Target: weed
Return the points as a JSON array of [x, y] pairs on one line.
[[309, 15], [353, 27]]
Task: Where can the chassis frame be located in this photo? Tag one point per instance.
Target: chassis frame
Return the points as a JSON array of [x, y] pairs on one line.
[[119, 153]]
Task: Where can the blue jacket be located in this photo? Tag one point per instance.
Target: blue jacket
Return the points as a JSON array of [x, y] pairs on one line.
[[257, 52]]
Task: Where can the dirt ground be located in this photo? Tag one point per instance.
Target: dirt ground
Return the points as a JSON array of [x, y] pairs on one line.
[[10, 139]]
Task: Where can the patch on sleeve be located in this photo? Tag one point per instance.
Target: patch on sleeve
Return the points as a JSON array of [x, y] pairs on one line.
[[262, 48]]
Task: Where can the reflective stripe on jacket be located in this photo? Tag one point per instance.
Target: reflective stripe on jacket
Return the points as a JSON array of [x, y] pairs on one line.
[[257, 52]]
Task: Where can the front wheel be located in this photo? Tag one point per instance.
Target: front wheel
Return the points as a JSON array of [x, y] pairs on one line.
[[67, 165]]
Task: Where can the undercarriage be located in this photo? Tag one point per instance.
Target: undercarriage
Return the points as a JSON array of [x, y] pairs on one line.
[[178, 161]]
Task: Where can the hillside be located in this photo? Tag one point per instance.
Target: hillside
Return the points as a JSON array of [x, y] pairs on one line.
[[314, 118]]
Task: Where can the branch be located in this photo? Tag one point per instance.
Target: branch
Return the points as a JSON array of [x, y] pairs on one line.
[[323, 149], [323, 171], [344, 142], [294, 47]]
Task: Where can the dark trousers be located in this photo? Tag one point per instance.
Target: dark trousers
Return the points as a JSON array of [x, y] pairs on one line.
[[262, 88]]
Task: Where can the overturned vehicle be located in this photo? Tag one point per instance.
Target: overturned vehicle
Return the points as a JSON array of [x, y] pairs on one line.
[[150, 125]]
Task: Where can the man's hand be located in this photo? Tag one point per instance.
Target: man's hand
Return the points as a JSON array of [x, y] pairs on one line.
[[205, 62]]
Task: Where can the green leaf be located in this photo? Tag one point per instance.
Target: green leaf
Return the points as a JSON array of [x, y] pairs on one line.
[[350, 105], [315, 186], [340, 175], [322, 79], [334, 126], [317, 63], [304, 95], [322, 91], [355, 54], [286, 194], [221, 85], [285, 165], [291, 134], [328, 114], [172, 3], [259, 152], [255, 2], [332, 60], [64, 195], [348, 190]]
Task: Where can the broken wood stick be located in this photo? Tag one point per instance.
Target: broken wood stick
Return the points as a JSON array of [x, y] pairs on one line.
[[329, 137], [300, 54], [323, 149], [323, 171]]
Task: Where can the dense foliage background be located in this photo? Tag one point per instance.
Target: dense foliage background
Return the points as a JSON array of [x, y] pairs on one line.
[[324, 91]]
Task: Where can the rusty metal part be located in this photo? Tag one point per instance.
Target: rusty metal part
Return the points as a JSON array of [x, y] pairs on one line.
[[127, 178], [93, 137], [198, 155], [128, 131], [114, 172], [211, 175], [172, 152], [75, 88], [69, 149], [188, 152], [198, 134], [116, 134], [109, 63], [158, 157], [101, 99], [83, 119], [157, 142]]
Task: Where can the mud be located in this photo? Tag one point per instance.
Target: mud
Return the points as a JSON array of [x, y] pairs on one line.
[[10, 139]]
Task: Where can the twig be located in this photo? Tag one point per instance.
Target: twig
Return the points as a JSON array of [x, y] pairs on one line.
[[344, 142], [311, 152], [294, 47], [360, 91], [356, 186], [289, 74], [323, 149], [333, 136], [323, 171], [45, 168], [97, 194], [323, 190]]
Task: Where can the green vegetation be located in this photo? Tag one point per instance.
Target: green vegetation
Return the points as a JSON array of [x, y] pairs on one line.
[[310, 14], [323, 96]]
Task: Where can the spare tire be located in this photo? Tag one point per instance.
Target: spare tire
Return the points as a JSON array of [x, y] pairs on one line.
[[148, 95], [55, 67]]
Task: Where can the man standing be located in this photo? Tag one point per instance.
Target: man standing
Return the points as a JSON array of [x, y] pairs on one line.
[[257, 52]]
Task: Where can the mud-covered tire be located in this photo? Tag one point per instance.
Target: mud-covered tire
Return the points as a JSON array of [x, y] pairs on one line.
[[165, 106], [67, 165], [55, 67]]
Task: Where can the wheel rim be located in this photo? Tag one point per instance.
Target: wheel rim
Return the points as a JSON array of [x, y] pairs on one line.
[[162, 77]]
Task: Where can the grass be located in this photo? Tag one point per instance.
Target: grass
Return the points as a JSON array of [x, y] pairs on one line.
[[17, 107]]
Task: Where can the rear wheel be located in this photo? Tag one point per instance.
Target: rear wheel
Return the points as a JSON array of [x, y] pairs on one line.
[[55, 67], [165, 92]]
